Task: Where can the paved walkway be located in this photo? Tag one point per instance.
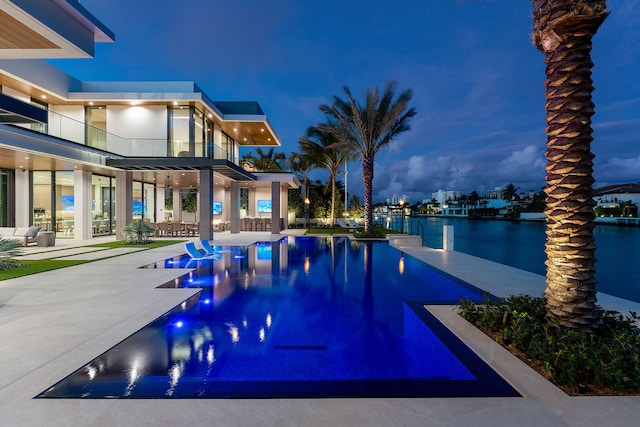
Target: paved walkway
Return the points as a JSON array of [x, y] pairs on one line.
[[53, 322]]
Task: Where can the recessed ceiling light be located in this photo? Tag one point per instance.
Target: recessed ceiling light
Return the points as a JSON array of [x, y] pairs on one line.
[[44, 96], [235, 130], [26, 157], [210, 115], [175, 102], [90, 102], [261, 130]]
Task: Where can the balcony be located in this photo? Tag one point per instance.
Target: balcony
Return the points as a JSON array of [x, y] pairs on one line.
[[66, 128]]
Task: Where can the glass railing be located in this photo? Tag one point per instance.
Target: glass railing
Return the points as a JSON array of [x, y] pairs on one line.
[[75, 131]]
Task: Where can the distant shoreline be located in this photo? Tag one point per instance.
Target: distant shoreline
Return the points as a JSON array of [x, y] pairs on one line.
[[539, 217]]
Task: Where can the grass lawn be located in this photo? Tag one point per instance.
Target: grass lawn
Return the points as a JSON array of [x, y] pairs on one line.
[[38, 266], [123, 244]]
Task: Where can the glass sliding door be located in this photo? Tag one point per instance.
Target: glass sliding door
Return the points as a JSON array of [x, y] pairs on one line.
[[65, 206], [42, 200], [103, 207], [143, 205]]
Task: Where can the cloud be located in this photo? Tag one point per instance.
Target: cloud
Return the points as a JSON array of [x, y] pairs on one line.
[[617, 170]]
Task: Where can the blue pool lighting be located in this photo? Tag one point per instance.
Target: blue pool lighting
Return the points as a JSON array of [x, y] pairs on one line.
[[320, 318]]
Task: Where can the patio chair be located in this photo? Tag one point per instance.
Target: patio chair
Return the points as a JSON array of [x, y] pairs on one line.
[[194, 253], [354, 224], [210, 250], [344, 224]]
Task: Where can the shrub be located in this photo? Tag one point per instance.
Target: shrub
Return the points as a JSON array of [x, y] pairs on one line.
[[609, 357], [138, 233], [8, 250]]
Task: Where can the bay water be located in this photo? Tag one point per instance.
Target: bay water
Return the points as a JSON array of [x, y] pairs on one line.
[[520, 244]]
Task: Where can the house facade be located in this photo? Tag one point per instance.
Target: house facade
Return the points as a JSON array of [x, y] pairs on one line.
[[87, 158]]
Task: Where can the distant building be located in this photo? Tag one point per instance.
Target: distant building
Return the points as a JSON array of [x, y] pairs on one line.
[[441, 196], [495, 194], [612, 195]]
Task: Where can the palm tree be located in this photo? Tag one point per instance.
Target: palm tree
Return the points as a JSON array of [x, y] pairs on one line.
[[320, 145], [562, 30], [510, 192], [365, 129], [301, 164], [264, 161]]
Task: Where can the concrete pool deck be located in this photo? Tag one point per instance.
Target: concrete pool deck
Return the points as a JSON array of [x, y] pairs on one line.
[[54, 322]]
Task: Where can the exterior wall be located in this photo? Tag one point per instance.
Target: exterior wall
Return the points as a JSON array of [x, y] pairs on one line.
[[261, 193], [144, 122], [147, 124]]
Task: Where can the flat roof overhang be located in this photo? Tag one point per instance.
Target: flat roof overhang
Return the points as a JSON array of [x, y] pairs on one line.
[[221, 166], [15, 111], [49, 29]]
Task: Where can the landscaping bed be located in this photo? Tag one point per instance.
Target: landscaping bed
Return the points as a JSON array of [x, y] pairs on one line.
[[603, 363]]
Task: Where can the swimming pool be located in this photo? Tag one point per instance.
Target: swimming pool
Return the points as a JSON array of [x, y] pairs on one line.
[[302, 317]]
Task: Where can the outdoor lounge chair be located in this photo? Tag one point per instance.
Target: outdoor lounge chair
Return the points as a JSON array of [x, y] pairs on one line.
[[348, 225], [210, 250], [354, 224], [194, 253]]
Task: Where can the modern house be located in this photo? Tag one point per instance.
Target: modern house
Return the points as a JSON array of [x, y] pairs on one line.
[[87, 158]]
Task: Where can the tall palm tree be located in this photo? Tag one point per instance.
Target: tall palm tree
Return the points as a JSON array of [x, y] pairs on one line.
[[365, 129], [562, 30], [321, 147]]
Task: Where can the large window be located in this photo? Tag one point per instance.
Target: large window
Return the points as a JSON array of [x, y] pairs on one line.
[[229, 147], [96, 129], [179, 131], [6, 198], [199, 132], [53, 202]]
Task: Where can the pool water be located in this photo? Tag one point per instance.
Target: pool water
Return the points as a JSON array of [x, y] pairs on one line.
[[302, 317]]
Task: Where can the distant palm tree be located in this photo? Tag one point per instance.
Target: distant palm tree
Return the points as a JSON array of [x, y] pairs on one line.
[[365, 129], [562, 30], [301, 164], [509, 192], [264, 161], [321, 147]]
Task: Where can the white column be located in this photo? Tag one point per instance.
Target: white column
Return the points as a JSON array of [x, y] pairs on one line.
[[160, 194], [22, 198], [447, 238], [275, 207], [177, 204], [83, 198]]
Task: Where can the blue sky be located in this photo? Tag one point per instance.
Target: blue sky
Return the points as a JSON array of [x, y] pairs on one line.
[[477, 78]]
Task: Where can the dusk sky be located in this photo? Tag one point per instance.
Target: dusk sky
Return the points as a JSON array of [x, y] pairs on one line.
[[476, 76]]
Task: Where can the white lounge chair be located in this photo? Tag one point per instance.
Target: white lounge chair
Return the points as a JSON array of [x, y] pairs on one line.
[[344, 224]]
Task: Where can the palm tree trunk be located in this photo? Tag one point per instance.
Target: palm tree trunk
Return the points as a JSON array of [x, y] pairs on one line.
[[563, 31], [367, 176], [333, 199]]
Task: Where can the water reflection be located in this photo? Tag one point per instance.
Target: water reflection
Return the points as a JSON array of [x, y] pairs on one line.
[[279, 311]]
